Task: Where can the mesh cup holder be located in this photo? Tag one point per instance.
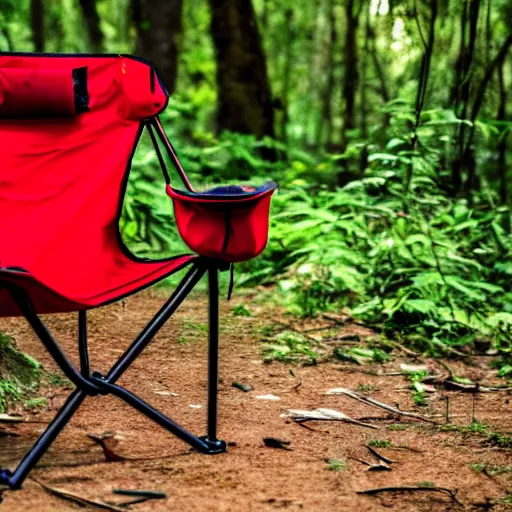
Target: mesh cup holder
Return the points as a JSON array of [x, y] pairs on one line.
[[229, 223]]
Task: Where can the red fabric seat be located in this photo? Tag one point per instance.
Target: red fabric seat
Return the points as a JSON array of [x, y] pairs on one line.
[[62, 183]]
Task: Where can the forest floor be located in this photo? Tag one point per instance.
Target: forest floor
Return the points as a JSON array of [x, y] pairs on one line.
[[326, 462]]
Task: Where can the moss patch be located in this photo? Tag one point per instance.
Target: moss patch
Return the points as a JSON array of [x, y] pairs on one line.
[[19, 373]]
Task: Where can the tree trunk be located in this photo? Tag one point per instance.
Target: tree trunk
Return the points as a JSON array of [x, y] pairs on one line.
[[5, 33], [244, 97], [467, 154], [92, 23], [159, 29], [502, 147], [351, 72], [363, 160], [314, 71], [326, 117], [465, 159], [422, 86], [37, 24], [287, 72]]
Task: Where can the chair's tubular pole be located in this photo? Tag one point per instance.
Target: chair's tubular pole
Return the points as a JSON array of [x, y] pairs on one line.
[[155, 415], [15, 480], [82, 344], [50, 344], [158, 153], [172, 153], [213, 350], [147, 334], [95, 384]]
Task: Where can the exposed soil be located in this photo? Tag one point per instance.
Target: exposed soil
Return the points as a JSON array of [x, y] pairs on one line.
[[251, 476]]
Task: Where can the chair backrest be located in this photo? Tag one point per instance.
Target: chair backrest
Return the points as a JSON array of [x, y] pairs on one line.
[[65, 153]]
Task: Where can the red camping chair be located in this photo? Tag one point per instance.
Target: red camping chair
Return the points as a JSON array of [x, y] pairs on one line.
[[69, 126]]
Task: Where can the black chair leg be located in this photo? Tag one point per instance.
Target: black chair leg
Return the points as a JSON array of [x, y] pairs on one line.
[[15, 479], [95, 384], [213, 359]]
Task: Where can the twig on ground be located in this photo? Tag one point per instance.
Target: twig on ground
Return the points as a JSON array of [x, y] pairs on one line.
[[474, 388], [152, 495], [301, 415], [406, 448], [375, 403], [378, 455], [411, 488], [298, 385], [403, 349], [359, 460], [7, 418], [446, 367], [75, 498]]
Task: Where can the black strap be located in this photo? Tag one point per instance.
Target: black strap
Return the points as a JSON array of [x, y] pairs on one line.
[[159, 154]]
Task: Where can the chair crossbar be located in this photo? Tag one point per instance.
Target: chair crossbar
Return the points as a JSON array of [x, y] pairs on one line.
[[92, 384]]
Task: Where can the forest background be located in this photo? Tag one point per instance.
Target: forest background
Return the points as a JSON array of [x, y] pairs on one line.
[[386, 124]]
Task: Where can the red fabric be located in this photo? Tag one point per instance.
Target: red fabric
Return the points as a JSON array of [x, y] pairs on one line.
[[230, 229], [61, 186], [36, 92]]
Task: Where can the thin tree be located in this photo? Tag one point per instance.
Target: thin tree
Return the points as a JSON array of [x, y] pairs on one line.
[[467, 155], [502, 146], [351, 72], [37, 24], [244, 97], [159, 28], [326, 100], [92, 23], [287, 71]]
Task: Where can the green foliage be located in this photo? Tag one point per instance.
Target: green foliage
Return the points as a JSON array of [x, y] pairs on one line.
[[289, 346], [241, 310], [380, 443], [35, 403], [426, 267], [489, 469], [337, 464], [501, 440]]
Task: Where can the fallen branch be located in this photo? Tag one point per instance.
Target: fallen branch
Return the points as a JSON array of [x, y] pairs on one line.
[[474, 388], [6, 418], [152, 495], [360, 460], [300, 416], [378, 455], [375, 403], [75, 498], [407, 488]]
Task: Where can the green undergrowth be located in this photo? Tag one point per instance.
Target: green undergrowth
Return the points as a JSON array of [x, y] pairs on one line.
[[501, 440], [393, 248], [19, 373]]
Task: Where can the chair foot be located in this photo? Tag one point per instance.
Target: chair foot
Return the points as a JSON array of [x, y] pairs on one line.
[[5, 478], [215, 446]]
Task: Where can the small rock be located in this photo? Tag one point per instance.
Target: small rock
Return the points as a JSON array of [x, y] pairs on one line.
[[268, 397], [241, 386]]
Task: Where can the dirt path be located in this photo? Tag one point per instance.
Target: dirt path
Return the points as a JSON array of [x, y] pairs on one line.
[[250, 477]]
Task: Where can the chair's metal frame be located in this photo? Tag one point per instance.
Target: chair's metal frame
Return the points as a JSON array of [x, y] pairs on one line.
[[91, 384]]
